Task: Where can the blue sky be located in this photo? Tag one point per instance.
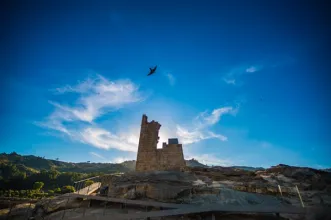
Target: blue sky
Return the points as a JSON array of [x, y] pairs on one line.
[[238, 83]]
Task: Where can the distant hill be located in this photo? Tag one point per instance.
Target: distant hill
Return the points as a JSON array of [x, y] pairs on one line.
[[248, 168], [30, 163], [130, 164], [35, 164], [194, 163]]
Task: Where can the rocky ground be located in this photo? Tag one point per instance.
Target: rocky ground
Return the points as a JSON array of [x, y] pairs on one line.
[[201, 186]]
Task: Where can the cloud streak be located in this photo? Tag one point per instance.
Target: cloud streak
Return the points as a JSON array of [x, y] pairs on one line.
[[211, 159], [229, 81], [233, 76], [201, 125], [104, 139], [96, 97], [171, 79], [121, 159], [97, 155]]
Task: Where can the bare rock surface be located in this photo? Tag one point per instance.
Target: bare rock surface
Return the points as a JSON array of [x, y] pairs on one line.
[[47, 206], [162, 186], [20, 211], [314, 185], [203, 186]]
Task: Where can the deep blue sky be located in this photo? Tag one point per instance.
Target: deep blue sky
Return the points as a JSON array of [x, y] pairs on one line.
[[263, 66]]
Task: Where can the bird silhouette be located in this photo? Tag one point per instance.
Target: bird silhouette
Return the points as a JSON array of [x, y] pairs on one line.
[[151, 71]]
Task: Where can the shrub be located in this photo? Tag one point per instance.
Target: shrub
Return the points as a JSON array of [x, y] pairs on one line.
[[68, 189], [22, 193], [57, 190], [51, 192], [38, 185], [88, 182]]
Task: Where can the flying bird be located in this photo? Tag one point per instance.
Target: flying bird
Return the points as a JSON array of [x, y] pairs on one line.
[[151, 71]]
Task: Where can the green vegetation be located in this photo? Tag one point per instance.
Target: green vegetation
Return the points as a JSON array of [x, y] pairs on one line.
[[33, 164], [41, 175], [36, 194], [14, 178], [32, 194], [38, 185], [88, 182], [36, 177], [19, 180], [67, 189]]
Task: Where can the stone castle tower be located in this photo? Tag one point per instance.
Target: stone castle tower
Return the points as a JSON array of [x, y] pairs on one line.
[[169, 157]]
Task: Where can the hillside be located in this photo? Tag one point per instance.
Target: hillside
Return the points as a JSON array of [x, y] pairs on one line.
[[248, 168], [194, 163], [30, 163]]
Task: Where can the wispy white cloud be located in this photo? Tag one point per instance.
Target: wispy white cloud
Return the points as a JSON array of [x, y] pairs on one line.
[[104, 139], [196, 135], [253, 69], [211, 159], [121, 159], [205, 119], [232, 77], [82, 87], [171, 79], [114, 160], [97, 155], [201, 124], [96, 97], [230, 81]]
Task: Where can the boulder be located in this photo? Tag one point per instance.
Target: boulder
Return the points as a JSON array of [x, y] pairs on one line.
[[20, 210], [131, 194], [55, 204], [158, 185]]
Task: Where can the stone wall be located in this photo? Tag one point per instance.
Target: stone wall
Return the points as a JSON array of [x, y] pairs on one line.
[[149, 158], [170, 157]]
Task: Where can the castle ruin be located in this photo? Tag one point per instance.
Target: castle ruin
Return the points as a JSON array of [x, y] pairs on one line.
[[169, 157]]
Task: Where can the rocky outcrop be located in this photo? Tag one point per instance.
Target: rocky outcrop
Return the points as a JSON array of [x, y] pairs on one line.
[[20, 211], [158, 185], [202, 186], [306, 178], [47, 206]]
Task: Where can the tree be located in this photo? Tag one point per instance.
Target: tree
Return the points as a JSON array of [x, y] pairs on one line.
[[68, 189], [38, 185], [51, 192], [88, 182], [53, 173], [57, 190]]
